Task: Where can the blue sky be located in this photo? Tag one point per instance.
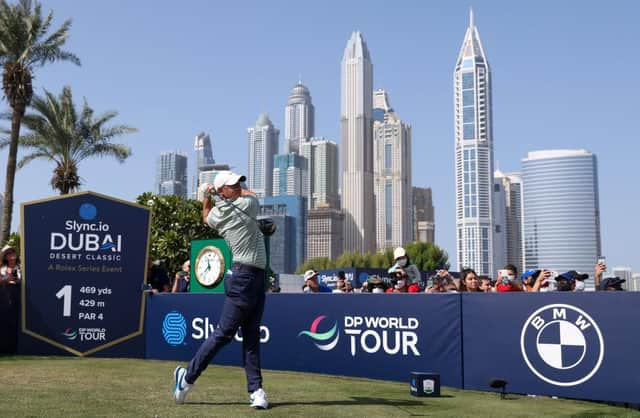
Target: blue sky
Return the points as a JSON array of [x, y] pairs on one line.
[[562, 79]]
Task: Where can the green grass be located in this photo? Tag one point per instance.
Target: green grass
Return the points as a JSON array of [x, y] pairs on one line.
[[80, 387]]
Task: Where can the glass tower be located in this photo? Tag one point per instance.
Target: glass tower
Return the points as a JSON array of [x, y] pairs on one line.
[[561, 212], [171, 174], [474, 155]]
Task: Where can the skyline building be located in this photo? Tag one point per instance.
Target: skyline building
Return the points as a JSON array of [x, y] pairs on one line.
[[561, 211], [392, 175], [171, 174], [322, 179], [289, 175], [292, 245], [263, 145], [356, 91], [424, 226], [508, 219], [204, 158], [324, 233], [474, 155], [299, 118]]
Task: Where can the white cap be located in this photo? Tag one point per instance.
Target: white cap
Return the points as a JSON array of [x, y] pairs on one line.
[[399, 252], [310, 274], [377, 290], [227, 178]]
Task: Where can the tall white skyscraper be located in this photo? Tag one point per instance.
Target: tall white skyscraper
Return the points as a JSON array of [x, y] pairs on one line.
[[299, 119], [322, 180], [561, 211], [263, 145], [392, 175], [474, 155], [357, 146]]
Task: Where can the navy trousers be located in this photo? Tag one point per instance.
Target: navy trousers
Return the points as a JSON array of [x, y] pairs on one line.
[[243, 307]]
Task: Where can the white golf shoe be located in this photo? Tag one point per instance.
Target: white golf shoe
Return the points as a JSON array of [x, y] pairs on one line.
[[181, 387], [259, 399]]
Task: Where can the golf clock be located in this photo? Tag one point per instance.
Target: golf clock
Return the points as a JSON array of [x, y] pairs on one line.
[[209, 266]]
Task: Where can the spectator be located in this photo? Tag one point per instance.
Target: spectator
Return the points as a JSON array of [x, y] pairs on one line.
[[348, 287], [469, 281], [376, 285], [611, 284], [311, 284], [157, 278], [181, 282], [568, 282], [340, 283], [402, 263], [439, 284], [534, 280], [485, 284], [273, 287], [508, 280], [10, 267]]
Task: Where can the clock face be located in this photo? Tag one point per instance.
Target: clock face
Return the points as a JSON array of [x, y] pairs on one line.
[[209, 266]]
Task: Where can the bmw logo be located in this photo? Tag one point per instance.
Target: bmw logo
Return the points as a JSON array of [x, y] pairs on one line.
[[562, 345]]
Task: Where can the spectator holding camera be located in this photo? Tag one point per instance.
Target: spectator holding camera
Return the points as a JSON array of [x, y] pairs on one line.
[[534, 280], [340, 283], [181, 281], [508, 280], [311, 284], [403, 264]]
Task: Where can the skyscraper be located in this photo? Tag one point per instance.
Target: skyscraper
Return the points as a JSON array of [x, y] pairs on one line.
[[322, 179], [263, 145], [204, 152], [357, 146], [424, 227], [561, 213], [474, 155], [324, 233], [507, 219], [289, 174], [171, 174], [292, 245], [299, 118], [204, 159], [392, 175]]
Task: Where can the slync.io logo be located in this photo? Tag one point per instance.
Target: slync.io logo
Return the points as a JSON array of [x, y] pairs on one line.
[[174, 328]]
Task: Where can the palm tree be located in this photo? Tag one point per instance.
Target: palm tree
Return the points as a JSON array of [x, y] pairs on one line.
[[24, 46], [60, 134]]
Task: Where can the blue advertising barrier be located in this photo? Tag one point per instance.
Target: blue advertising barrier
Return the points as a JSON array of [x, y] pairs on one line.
[[374, 336], [83, 268], [573, 345]]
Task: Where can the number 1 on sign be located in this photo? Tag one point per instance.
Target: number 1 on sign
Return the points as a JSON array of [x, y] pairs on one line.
[[65, 293]]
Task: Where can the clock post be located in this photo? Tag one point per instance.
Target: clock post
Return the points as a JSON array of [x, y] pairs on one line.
[[210, 260]]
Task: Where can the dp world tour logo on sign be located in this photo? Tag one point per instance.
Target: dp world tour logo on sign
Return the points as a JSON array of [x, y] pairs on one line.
[[174, 328], [562, 345], [325, 341]]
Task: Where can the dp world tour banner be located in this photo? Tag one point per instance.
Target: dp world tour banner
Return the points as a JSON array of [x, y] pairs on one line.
[[84, 264], [382, 336], [562, 344]]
